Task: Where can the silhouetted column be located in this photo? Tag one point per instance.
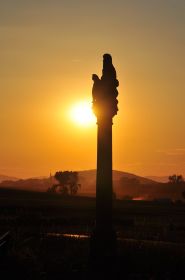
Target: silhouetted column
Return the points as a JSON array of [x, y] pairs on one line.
[[105, 107], [104, 175]]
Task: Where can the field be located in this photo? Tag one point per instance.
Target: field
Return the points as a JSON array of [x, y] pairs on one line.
[[50, 237]]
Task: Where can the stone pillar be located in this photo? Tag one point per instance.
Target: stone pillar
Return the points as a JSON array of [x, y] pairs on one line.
[[103, 241], [104, 176]]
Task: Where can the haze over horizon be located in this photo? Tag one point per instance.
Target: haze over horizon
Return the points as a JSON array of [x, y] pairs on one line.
[[49, 51], [162, 178]]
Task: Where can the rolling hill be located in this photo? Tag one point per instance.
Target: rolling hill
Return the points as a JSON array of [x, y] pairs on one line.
[[87, 179], [7, 178], [125, 186]]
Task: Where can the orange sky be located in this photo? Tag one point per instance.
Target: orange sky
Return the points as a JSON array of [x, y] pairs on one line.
[[48, 52]]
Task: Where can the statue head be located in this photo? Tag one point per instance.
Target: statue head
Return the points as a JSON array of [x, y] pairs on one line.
[[107, 59]]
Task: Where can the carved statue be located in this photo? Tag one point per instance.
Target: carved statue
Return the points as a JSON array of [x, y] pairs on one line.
[[105, 90]]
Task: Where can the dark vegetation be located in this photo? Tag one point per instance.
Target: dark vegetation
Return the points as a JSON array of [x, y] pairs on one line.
[[151, 237], [68, 183]]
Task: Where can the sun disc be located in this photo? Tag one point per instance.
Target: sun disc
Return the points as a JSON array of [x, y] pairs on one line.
[[81, 113]]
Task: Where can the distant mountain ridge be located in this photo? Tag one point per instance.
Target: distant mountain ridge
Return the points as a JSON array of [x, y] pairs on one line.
[[92, 172], [116, 175], [7, 178], [87, 179], [125, 186], [162, 179]]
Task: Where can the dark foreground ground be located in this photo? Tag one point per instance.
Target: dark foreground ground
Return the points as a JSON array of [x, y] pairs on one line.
[[150, 245]]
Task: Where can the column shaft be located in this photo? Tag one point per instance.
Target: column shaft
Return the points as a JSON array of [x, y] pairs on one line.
[[104, 177]]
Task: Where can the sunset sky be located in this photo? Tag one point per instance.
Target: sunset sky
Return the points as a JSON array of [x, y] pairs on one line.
[[49, 50]]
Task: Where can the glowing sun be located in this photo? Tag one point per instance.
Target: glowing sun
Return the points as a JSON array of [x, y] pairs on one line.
[[81, 113]]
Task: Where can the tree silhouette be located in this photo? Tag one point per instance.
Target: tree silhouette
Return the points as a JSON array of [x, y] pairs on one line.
[[176, 179], [67, 183]]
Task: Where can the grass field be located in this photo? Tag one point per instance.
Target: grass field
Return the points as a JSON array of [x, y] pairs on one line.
[[151, 237]]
